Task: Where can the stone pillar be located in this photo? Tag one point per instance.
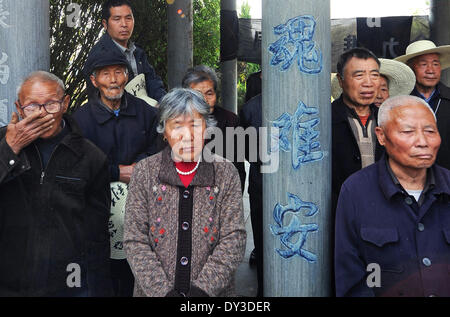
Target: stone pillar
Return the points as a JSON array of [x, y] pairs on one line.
[[296, 57], [24, 47]]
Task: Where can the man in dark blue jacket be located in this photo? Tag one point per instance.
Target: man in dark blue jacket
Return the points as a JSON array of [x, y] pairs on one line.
[[124, 128], [393, 217], [118, 21]]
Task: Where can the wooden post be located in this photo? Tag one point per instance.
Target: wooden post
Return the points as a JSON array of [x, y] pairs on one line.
[[180, 40]]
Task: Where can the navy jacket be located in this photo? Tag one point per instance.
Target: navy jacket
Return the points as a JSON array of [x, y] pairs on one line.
[[126, 138], [377, 222], [346, 157], [155, 86], [53, 217]]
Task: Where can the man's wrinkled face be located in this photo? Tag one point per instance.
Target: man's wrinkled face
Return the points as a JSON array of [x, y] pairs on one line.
[[38, 92], [361, 81], [411, 137], [427, 68], [383, 92], [207, 89], [110, 81], [120, 24]]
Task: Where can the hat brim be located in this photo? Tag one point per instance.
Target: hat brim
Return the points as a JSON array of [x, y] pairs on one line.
[[141, 92], [152, 102], [443, 51], [401, 79], [102, 64]]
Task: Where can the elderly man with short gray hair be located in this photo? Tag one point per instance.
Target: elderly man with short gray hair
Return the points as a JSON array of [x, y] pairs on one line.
[[54, 199], [392, 218]]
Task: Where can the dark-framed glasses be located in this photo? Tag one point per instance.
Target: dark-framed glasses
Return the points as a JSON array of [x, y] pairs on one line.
[[52, 106]]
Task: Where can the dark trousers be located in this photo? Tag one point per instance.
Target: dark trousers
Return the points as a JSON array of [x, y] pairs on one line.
[[256, 215], [122, 278]]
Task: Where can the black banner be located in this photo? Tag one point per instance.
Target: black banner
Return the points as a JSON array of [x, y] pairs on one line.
[[250, 37], [386, 37], [229, 35]]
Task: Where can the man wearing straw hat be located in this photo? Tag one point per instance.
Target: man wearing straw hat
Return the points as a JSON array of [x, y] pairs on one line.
[[427, 61]]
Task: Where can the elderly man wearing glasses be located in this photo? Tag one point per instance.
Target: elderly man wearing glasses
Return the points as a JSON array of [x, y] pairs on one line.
[[54, 199]]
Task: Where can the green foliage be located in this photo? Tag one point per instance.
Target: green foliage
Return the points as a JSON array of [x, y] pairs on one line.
[[244, 70], [150, 32], [207, 33], [245, 11], [70, 46]]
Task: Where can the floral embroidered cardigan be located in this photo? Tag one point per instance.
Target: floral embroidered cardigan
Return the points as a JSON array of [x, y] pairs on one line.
[[151, 230]]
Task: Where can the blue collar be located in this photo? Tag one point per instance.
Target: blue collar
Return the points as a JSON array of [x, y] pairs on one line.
[[419, 94], [390, 186], [102, 113]]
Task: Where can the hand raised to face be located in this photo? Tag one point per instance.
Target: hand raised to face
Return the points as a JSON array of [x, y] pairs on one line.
[[19, 134]]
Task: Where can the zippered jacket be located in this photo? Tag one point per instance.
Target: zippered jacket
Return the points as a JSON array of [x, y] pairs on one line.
[[54, 238]]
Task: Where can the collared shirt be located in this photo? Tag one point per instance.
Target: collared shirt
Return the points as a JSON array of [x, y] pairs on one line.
[[129, 54], [364, 135], [433, 100], [123, 105], [429, 183]]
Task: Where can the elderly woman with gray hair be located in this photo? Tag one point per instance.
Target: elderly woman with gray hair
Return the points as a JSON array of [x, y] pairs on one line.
[[184, 227]]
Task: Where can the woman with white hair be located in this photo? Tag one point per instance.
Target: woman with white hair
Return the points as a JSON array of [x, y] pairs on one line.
[[184, 226]]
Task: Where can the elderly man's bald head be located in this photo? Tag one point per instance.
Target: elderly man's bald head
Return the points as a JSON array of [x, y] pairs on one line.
[[41, 77], [384, 112]]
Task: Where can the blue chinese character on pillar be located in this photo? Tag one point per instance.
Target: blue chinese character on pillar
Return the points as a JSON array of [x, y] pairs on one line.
[[296, 42], [304, 147], [287, 233]]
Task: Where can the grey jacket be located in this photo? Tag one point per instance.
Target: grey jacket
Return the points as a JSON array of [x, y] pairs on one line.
[[151, 226]]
